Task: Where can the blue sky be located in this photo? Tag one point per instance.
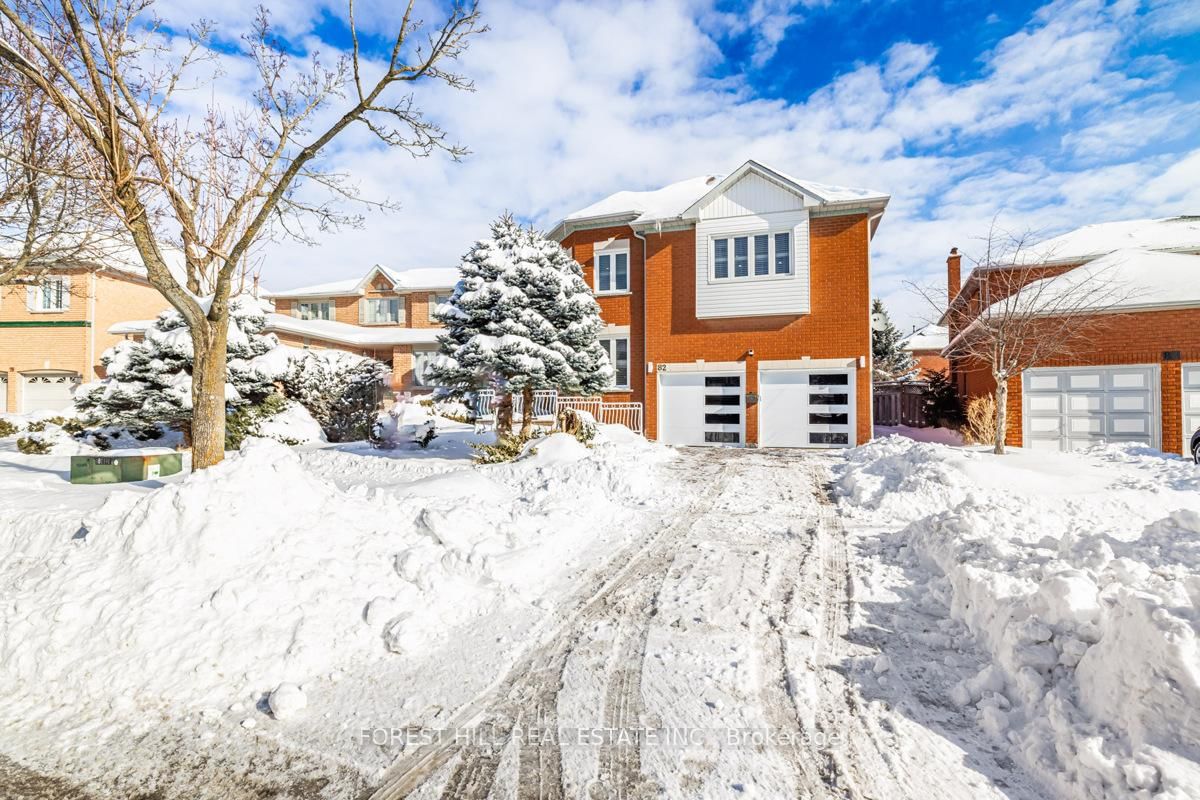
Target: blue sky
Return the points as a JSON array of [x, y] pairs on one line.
[[1048, 116]]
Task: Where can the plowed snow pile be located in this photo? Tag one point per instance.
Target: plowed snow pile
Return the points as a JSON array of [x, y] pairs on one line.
[[1079, 576], [261, 575]]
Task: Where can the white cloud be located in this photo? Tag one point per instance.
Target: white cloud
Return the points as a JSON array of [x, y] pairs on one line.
[[575, 100]]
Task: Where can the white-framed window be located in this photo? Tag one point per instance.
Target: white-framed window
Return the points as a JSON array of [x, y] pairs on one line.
[[750, 256], [617, 348], [53, 293], [612, 270], [314, 309], [381, 311]]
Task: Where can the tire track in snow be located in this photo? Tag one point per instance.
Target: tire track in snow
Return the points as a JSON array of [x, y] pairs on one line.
[[528, 692]]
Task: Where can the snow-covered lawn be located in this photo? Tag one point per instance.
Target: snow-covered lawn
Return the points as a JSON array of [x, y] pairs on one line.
[[1053, 597], [382, 585]]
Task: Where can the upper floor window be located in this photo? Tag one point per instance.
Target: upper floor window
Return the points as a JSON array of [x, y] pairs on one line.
[[612, 270], [53, 294], [617, 348], [318, 309], [760, 255], [381, 311]]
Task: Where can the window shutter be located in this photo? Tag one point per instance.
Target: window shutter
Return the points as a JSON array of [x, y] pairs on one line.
[[31, 297], [66, 291], [362, 311]]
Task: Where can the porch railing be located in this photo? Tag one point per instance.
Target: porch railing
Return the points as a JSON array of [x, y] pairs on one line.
[[547, 403]]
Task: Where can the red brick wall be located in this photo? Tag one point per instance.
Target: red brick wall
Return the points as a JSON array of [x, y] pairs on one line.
[[1134, 338], [931, 360], [620, 309], [838, 325]]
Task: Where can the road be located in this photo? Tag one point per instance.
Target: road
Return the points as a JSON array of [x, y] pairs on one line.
[[713, 659]]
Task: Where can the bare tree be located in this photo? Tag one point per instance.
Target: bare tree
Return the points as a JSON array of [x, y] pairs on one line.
[[49, 215], [235, 174], [1024, 309]]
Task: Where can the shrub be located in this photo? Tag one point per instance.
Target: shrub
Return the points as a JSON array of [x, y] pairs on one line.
[[579, 424], [943, 406], [244, 420], [981, 420], [7, 428], [505, 449], [33, 446], [73, 426], [40, 425], [340, 390]]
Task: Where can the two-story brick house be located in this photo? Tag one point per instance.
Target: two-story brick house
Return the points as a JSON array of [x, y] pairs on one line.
[[385, 314], [737, 307], [53, 331], [1137, 376]]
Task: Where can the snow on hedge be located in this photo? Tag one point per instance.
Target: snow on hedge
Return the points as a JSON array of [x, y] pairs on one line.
[[1079, 576]]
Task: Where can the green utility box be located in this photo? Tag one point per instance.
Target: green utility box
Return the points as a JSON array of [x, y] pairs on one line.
[[129, 465]]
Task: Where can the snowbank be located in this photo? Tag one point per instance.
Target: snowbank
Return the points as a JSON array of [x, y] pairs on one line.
[[250, 583], [1079, 576], [292, 425]]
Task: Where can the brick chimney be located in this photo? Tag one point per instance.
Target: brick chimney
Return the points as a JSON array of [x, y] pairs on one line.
[[953, 273]]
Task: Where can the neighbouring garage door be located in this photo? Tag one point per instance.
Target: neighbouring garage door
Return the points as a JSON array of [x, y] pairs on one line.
[[702, 408], [48, 391], [1191, 404], [806, 408], [1065, 409]]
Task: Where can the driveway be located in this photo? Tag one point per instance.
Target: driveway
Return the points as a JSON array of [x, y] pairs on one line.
[[716, 658]]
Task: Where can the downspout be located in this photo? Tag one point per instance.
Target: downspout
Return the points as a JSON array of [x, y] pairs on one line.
[[645, 339], [91, 353], [870, 332]]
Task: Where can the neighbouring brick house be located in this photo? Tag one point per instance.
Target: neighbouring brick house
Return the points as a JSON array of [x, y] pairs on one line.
[[1138, 379], [926, 345], [53, 331], [384, 315], [737, 307]]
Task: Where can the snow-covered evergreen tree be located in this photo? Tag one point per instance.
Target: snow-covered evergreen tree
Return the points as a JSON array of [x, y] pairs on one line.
[[149, 383], [891, 361], [341, 390], [521, 318]]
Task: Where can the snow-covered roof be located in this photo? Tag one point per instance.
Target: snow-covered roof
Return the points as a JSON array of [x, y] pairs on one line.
[[1128, 279], [669, 201], [344, 333], [1179, 234], [931, 337], [679, 200], [403, 280], [133, 326]]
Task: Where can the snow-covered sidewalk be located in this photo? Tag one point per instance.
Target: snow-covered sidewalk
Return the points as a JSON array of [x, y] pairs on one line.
[[1050, 598]]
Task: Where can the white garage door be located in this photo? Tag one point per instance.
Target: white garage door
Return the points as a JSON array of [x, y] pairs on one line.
[[806, 408], [1191, 404], [1065, 409], [702, 408], [48, 391], [3, 392]]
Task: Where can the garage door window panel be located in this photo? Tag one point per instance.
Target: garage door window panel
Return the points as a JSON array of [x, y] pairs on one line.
[[829, 399], [722, 400]]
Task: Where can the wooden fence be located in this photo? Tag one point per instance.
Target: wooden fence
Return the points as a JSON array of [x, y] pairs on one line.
[[900, 403]]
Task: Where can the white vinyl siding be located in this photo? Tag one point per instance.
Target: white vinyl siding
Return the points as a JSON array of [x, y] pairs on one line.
[[750, 196], [729, 277]]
